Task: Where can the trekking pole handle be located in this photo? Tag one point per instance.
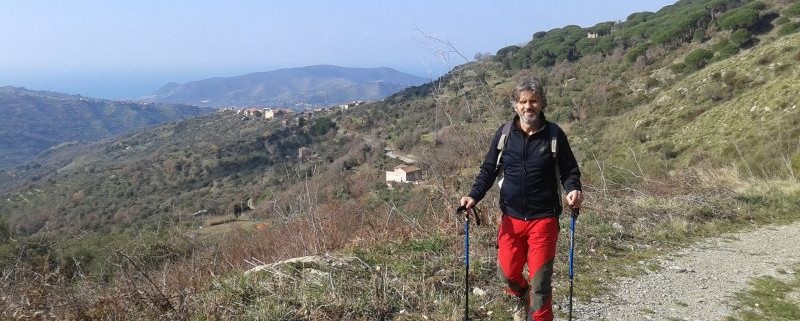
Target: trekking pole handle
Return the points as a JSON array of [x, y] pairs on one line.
[[475, 211]]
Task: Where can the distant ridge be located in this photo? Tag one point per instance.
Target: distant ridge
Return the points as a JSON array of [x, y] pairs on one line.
[[32, 121], [296, 88]]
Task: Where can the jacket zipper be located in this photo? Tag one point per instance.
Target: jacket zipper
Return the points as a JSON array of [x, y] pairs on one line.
[[526, 141]]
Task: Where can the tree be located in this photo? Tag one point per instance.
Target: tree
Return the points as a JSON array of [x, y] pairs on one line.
[[603, 28]]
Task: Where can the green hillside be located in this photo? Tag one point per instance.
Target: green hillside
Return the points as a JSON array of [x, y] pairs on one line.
[[33, 121], [684, 122], [740, 111]]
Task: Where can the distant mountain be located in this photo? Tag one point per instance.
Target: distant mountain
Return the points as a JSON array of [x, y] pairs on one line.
[[293, 87], [33, 121]]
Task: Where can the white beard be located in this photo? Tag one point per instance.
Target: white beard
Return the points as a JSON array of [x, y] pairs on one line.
[[529, 120]]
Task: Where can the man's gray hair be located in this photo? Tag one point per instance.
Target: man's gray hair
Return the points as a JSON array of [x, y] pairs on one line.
[[534, 85]]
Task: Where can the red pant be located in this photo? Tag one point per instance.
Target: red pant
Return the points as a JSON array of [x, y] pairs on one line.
[[532, 242]]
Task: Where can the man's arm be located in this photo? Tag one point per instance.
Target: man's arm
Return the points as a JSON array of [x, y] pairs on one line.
[[488, 171], [570, 173]]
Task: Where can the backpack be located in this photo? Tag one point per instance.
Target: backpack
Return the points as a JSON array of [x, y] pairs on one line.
[[552, 129]]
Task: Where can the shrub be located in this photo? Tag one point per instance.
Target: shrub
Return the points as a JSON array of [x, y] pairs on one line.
[[789, 28], [699, 35], [635, 52], [506, 52], [725, 49], [738, 18], [697, 59], [736, 81], [793, 10], [717, 93], [321, 126], [740, 38], [678, 68]]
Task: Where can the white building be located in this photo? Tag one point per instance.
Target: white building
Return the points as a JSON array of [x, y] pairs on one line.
[[403, 174]]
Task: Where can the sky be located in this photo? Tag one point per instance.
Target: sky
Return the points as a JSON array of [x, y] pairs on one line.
[[129, 49]]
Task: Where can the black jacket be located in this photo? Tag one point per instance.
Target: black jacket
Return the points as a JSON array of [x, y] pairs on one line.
[[529, 188]]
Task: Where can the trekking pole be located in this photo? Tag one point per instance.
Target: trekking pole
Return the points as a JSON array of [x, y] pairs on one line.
[[460, 210], [574, 212]]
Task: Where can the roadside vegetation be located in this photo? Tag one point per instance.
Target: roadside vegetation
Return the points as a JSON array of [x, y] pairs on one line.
[[770, 298]]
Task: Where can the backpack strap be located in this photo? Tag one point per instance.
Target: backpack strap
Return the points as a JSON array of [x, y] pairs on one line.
[[501, 144], [552, 130]]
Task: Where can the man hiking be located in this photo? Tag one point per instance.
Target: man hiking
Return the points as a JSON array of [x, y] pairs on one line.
[[532, 154]]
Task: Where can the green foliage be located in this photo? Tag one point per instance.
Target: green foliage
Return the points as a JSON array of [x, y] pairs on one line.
[[36, 121], [740, 38], [768, 298], [739, 18], [639, 17], [505, 55], [506, 51], [547, 49], [789, 28], [586, 46], [603, 28], [605, 45], [699, 36], [697, 59], [677, 30], [321, 126], [636, 52], [793, 10], [4, 231], [725, 49]]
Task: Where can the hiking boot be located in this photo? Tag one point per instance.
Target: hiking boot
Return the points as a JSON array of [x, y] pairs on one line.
[[520, 311]]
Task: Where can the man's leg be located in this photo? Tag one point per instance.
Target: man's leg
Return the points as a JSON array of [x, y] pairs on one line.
[[512, 250], [542, 239]]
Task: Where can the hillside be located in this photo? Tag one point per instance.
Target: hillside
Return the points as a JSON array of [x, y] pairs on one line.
[[684, 122], [211, 162], [319, 85], [33, 121]]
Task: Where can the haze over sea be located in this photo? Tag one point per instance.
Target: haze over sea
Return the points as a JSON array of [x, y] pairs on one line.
[[126, 50]]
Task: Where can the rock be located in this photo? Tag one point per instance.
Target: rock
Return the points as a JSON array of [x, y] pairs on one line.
[[316, 262], [478, 291], [677, 269]]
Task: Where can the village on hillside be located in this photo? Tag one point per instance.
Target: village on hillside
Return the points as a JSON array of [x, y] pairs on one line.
[[407, 172], [273, 112]]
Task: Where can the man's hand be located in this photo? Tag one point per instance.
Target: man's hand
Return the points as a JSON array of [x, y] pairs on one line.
[[467, 202], [574, 199]]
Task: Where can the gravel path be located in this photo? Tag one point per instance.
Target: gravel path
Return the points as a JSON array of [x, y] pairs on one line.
[[698, 282]]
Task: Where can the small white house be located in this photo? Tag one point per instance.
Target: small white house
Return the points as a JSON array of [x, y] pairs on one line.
[[403, 174]]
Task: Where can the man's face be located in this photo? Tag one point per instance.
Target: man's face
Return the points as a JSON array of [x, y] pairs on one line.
[[529, 107]]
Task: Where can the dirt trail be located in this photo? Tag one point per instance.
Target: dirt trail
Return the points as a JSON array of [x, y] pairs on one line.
[[698, 282]]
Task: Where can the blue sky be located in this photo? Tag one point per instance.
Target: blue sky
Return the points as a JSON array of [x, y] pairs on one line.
[[127, 49]]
